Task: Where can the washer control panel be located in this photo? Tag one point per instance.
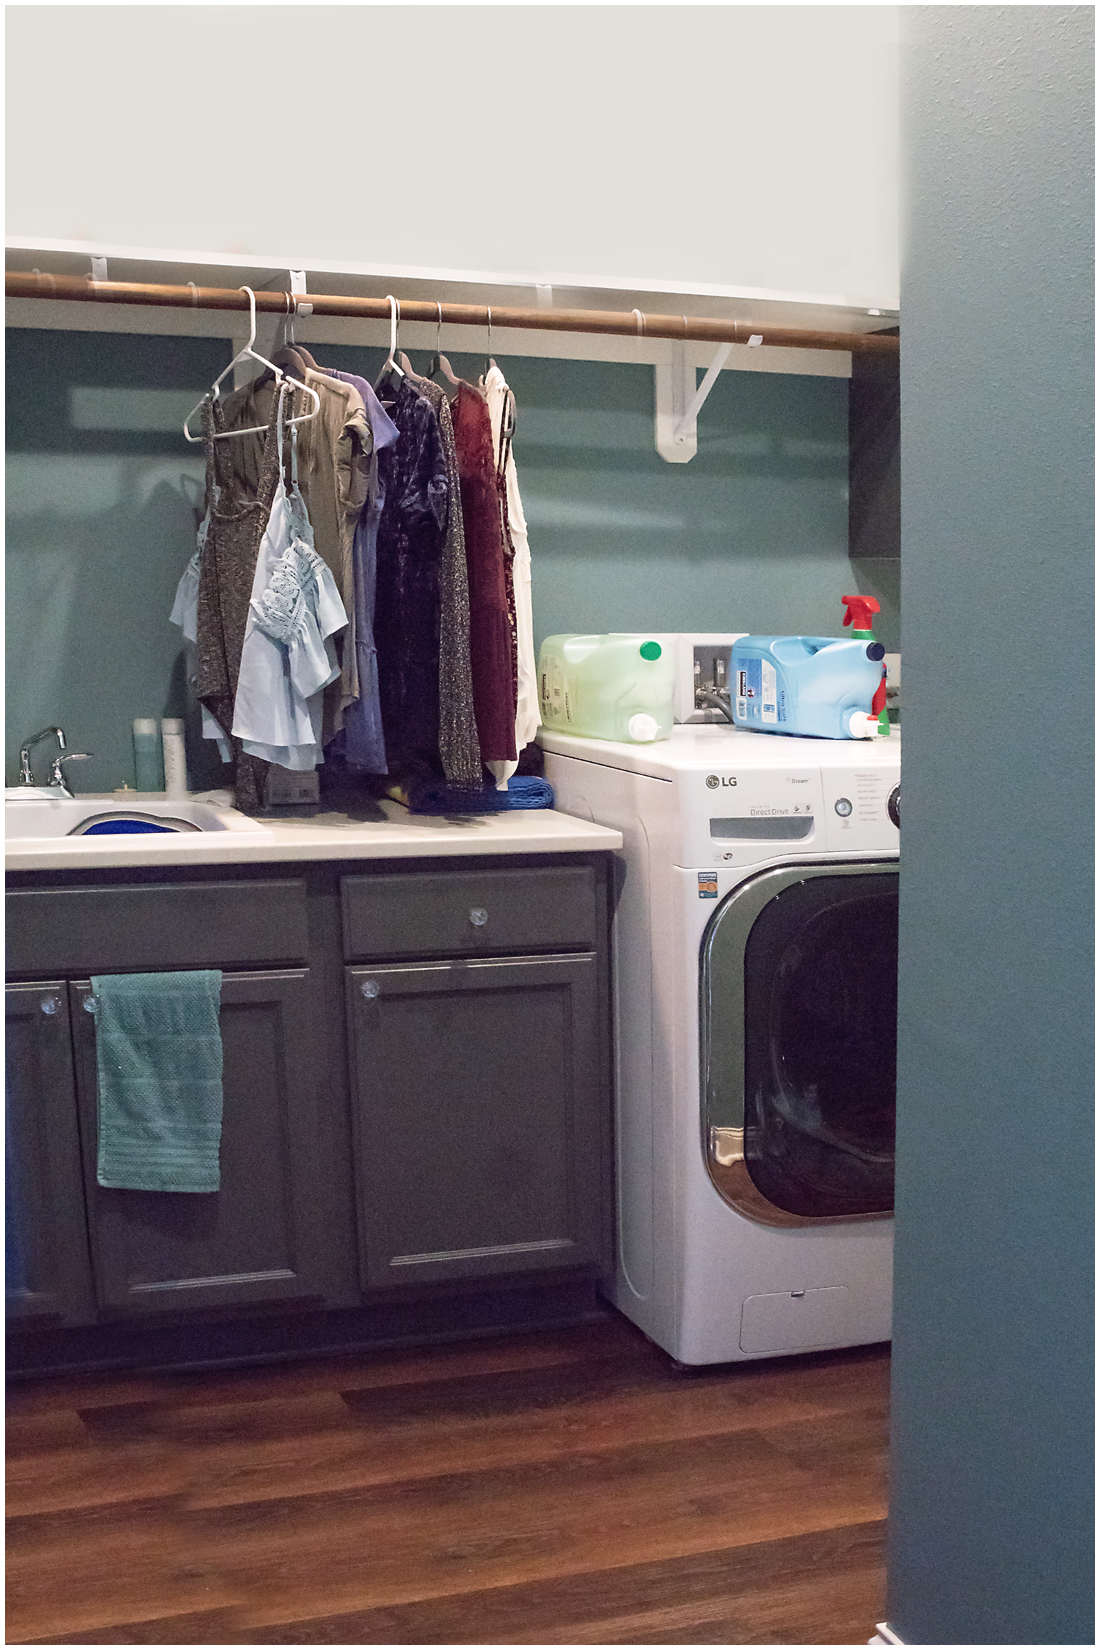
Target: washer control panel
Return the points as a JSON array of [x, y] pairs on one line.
[[745, 814], [861, 808]]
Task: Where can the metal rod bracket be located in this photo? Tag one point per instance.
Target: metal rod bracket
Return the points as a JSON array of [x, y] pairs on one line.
[[298, 285], [677, 402]]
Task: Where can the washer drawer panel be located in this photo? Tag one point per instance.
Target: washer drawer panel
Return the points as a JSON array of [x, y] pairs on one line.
[[798, 1321], [453, 914], [169, 925]]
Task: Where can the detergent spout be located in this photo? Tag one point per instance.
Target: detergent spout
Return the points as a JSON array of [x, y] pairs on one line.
[[859, 612]]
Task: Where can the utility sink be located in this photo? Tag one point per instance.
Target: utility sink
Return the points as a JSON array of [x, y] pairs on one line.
[[38, 819]]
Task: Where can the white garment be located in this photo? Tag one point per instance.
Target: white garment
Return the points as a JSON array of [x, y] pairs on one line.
[[288, 657], [527, 696]]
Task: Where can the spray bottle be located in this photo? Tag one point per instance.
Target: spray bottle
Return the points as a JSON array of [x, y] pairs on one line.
[[858, 611]]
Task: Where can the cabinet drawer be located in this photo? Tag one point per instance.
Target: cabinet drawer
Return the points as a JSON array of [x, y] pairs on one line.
[[192, 925], [453, 914]]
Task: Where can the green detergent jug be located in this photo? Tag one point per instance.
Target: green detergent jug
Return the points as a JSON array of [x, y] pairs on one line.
[[607, 687]]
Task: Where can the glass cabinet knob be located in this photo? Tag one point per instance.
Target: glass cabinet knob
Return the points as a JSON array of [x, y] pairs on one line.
[[370, 988], [478, 917], [50, 1005], [90, 1004]]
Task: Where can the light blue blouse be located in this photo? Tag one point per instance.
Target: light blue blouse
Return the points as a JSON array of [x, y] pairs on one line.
[[289, 656]]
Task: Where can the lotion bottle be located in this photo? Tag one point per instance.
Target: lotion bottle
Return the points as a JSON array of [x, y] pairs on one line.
[[148, 773], [175, 761]]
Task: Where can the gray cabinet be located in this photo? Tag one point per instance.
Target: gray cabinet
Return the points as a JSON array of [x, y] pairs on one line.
[[479, 1071], [48, 1268], [264, 1235], [416, 1097], [479, 1135]]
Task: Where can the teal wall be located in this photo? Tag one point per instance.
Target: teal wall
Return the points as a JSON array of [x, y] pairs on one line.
[[751, 535], [100, 524], [991, 1538]]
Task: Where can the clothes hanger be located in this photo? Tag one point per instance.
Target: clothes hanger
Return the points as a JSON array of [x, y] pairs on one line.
[[439, 362], [489, 362], [508, 420], [248, 353], [289, 340], [292, 362], [390, 366]]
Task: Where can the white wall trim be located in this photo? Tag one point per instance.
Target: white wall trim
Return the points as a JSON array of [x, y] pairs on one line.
[[529, 279]]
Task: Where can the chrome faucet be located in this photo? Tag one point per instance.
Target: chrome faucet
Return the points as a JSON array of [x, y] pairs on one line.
[[26, 777], [57, 776]]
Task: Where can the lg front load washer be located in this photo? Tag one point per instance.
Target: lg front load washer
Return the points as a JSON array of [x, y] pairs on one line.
[[755, 990]]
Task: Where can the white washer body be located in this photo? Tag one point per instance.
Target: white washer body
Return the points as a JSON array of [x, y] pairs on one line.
[[688, 1262]]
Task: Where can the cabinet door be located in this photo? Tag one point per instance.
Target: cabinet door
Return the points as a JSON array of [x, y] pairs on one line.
[[48, 1271], [480, 1101], [262, 1236]]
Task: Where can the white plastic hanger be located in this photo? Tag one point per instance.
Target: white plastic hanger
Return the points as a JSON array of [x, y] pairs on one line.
[[248, 354], [390, 364]]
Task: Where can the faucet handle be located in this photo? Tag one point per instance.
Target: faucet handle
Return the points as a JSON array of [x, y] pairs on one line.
[[57, 775]]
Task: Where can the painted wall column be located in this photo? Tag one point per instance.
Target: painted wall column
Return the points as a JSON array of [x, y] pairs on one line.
[[990, 1539]]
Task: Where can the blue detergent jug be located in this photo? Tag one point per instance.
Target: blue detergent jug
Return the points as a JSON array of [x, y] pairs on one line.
[[815, 686]]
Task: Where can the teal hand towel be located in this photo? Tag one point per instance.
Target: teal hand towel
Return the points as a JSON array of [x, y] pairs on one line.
[[159, 1066]]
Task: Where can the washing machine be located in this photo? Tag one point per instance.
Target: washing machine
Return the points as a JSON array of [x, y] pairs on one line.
[[755, 992]]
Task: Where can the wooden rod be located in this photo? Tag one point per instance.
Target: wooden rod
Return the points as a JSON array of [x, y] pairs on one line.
[[683, 328]]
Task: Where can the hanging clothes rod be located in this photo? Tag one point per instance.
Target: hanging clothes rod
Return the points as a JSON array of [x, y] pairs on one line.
[[629, 324]]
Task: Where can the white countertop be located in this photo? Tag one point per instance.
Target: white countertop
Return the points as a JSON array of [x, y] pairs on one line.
[[381, 830]]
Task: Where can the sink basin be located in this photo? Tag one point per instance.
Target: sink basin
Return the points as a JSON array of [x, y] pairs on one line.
[[148, 818]]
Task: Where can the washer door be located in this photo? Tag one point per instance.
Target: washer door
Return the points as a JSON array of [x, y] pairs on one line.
[[799, 1015]]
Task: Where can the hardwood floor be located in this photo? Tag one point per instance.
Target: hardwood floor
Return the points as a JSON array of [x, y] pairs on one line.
[[560, 1488]]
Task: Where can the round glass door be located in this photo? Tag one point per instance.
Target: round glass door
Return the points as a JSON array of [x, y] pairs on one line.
[[800, 1034]]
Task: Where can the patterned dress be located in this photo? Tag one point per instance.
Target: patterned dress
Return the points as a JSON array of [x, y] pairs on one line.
[[492, 631], [413, 473]]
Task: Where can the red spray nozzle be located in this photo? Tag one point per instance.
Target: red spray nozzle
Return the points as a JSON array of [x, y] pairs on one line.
[[859, 610]]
